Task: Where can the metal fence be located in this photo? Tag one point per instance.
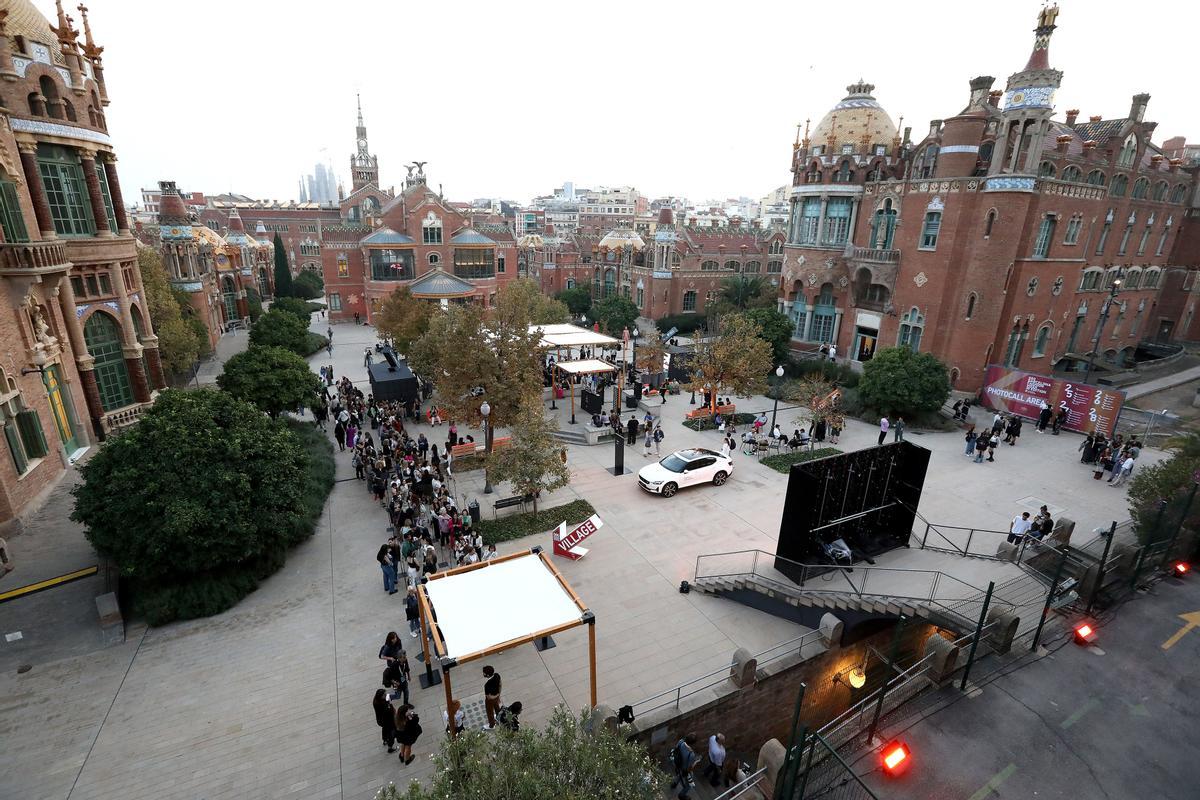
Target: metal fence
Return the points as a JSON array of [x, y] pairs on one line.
[[825, 774]]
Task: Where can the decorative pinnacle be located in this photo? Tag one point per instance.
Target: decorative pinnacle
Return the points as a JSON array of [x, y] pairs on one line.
[[89, 46], [358, 98]]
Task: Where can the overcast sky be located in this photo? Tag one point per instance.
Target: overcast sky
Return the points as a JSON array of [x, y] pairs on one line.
[[510, 99]]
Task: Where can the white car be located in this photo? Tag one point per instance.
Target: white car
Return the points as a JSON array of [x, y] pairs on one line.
[[685, 468]]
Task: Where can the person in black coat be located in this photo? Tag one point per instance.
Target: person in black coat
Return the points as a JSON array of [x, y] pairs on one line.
[[631, 431], [385, 718], [408, 730]]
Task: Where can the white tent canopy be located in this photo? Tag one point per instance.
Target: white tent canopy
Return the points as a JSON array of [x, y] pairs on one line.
[[585, 367], [571, 336]]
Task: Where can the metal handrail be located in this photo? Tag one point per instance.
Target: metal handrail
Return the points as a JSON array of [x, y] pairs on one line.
[[796, 644], [743, 786]]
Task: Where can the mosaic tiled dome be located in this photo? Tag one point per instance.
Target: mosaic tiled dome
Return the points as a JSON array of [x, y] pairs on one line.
[[856, 114]]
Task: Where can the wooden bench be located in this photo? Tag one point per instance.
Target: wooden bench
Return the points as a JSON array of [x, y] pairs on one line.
[[698, 413], [729, 409], [502, 442], [464, 449], [508, 502]]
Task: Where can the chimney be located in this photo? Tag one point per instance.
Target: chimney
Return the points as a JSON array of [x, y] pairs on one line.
[[935, 127], [1089, 149], [1072, 115], [994, 98], [980, 87], [691, 222], [1155, 160], [1137, 108], [736, 222], [1175, 164], [907, 134], [1064, 142], [1095, 118]]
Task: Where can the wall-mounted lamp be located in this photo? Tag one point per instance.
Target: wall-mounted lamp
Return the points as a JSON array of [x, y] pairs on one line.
[[855, 677]]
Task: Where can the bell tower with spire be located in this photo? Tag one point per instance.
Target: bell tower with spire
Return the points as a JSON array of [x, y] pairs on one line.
[[1028, 104], [364, 167]]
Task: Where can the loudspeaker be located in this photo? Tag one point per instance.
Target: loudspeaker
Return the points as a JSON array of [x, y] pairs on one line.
[[684, 587]]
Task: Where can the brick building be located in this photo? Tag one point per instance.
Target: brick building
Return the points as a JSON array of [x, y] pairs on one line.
[[994, 239], [79, 356]]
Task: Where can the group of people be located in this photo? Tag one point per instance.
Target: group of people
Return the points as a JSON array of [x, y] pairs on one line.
[[1116, 456], [897, 429], [720, 766], [1037, 527]]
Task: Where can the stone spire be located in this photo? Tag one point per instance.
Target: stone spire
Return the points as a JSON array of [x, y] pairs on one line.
[[1040, 57]]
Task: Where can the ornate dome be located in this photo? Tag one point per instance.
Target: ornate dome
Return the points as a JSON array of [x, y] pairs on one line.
[[25, 20], [857, 114], [622, 238]]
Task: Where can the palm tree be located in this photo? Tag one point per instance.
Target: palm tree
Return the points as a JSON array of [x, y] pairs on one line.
[[740, 292]]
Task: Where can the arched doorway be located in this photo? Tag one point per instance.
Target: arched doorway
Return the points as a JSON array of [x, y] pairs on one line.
[[103, 339], [263, 286], [60, 406], [229, 298]]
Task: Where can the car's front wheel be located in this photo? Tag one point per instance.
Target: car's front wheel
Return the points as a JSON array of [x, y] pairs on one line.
[[668, 490], [719, 479]]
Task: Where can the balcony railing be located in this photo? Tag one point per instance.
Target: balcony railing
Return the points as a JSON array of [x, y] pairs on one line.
[[115, 421], [878, 254], [33, 257]]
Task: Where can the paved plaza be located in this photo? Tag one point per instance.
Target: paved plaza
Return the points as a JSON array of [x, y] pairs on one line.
[[273, 698]]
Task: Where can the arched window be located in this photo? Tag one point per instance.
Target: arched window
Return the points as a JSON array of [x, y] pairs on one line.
[[1041, 340], [1118, 186], [70, 109], [10, 211], [927, 162], [731, 265], [1095, 178], [610, 282], [970, 305], [434, 259], [1072, 173], [431, 230], [62, 176], [676, 260], [883, 226], [1140, 187], [37, 105], [1160, 191], [1128, 151], [774, 267], [988, 222], [50, 92], [824, 315], [1179, 193], [689, 300], [1046, 170], [776, 248], [709, 266], [929, 230], [103, 339], [570, 282], [22, 427], [1133, 279], [1150, 280], [1041, 247], [1090, 279], [753, 266], [1073, 226], [844, 174], [912, 325], [985, 157]]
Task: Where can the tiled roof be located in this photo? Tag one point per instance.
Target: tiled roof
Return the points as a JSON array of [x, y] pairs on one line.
[[1099, 131], [438, 283], [470, 236], [387, 236], [496, 231]]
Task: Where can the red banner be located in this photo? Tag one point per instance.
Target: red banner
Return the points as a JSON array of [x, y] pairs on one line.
[[1089, 408]]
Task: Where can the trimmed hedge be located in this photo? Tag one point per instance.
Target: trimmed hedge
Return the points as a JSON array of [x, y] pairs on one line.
[[783, 461], [843, 374], [706, 423], [316, 343], [495, 531]]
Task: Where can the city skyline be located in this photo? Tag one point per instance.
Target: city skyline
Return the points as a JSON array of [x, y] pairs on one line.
[[678, 127]]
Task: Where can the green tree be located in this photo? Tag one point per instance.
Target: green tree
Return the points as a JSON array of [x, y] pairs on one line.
[[197, 502], [283, 272], [735, 360], [898, 381], [313, 283], [615, 313], [577, 300], [403, 319], [1159, 494], [533, 463], [297, 307], [776, 330], [273, 379], [561, 761], [472, 356], [178, 343], [281, 329], [540, 309], [254, 304], [740, 292], [817, 398]]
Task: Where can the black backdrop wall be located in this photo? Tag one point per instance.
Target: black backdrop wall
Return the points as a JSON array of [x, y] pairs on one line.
[[862, 498]]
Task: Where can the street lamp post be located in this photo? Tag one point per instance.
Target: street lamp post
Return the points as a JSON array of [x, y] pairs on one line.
[[1112, 296], [775, 392], [486, 410]]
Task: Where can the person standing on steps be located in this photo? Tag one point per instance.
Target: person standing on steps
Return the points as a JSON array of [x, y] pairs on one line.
[[898, 430], [491, 695], [884, 424]]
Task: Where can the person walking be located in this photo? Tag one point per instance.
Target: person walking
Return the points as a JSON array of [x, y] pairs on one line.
[[1020, 526], [408, 730], [684, 760], [385, 718], [898, 429], [884, 424], [833, 353], [647, 441], [716, 758], [412, 607], [491, 695], [1044, 417], [339, 435]]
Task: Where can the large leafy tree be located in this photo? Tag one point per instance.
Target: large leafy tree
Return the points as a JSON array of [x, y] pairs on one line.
[[403, 319], [533, 463], [308, 285], [205, 487], [578, 300], [648, 353], [615, 313], [297, 307], [472, 356], [283, 272], [179, 343], [736, 359], [817, 399], [1159, 494], [273, 379], [776, 330], [254, 304], [562, 761], [281, 329], [898, 381], [740, 292], [540, 309]]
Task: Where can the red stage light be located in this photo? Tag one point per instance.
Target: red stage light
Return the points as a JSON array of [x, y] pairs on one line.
[[1182, 568], [895, 757], [1085, 634]]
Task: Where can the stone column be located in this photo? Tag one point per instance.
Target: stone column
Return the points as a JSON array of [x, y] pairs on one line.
[[137, 373], [88, 159], [154, 361], [133, 348], [821, 221], [37, 192], [114, 189], [853, 219]]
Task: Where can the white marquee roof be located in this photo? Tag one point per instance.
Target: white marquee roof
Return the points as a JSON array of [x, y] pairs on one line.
[[571, 336], [585, 367]]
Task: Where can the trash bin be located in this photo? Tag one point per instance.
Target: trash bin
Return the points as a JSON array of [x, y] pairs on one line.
[[630, 400], [473, 509]]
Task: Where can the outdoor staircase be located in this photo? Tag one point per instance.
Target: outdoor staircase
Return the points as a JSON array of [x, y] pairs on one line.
[[576, 434]]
